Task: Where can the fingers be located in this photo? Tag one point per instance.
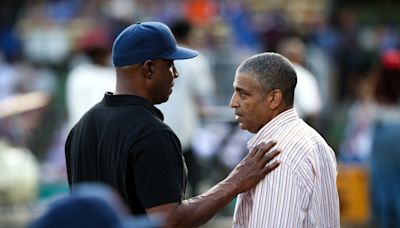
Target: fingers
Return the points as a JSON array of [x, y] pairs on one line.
[[269, 168], [254, 167], [261, 149], [268, 157]]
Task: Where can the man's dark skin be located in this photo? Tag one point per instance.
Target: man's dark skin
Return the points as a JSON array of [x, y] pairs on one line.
[[153, 80]]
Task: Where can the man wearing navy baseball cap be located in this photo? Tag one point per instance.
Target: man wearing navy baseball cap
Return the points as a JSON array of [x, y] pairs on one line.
[[123, 142]]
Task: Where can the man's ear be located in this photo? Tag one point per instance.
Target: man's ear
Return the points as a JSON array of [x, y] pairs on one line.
[[148, 69], [275, 99]]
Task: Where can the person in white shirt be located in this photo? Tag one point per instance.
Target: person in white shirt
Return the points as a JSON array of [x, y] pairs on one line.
[[307, 99], [87, 82], [193, 92], [301, 192]]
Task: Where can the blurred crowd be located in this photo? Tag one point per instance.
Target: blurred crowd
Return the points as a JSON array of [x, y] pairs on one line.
[[55, 64]]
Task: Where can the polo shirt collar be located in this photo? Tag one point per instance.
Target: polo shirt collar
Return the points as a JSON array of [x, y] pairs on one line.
[[268, 129], [124, 99]]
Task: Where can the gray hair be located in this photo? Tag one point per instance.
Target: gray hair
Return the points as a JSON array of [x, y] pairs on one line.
[[271, 71]]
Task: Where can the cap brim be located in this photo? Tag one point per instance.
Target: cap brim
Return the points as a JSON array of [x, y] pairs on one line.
[[182, 53]]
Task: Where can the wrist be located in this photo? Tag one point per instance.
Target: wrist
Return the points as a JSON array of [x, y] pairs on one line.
[[231, 185]]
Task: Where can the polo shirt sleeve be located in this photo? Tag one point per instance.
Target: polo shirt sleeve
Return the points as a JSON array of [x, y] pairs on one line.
[[159, 170]]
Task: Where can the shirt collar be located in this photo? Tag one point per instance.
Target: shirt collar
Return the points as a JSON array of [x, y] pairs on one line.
[[281, 119], [121, 100]]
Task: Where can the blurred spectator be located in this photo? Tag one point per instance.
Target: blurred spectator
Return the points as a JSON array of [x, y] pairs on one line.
[[45, 42], [19, 176], [356, 141], [385, 161], [321, 59], [193, 92], [90, 205], [92, 77], [308, 103], [347, 53]]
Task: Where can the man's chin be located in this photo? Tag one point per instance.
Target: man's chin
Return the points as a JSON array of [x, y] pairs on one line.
[[246, 128], [242, 126], [162, 101]]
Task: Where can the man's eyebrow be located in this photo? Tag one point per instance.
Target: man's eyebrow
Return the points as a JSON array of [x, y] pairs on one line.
[[236, 87], [240, 89]]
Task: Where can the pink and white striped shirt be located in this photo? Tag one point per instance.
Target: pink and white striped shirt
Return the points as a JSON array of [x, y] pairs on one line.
[[302, 191]]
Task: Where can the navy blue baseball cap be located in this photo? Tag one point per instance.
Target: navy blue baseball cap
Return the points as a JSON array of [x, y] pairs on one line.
[[91, 205], [147, 41]]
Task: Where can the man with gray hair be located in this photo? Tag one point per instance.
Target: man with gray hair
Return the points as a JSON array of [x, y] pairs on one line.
[[302, 191]]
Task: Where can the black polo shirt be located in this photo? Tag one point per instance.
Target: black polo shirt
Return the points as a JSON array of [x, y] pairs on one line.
[[122, 141]]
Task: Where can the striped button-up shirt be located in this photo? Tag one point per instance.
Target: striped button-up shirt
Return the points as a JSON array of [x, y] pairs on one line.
[[302, 191]]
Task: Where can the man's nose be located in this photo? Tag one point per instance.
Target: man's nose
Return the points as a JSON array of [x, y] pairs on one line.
[[233, 103]]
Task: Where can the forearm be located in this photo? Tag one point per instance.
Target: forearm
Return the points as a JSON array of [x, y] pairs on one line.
[[198, 210]]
